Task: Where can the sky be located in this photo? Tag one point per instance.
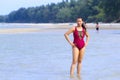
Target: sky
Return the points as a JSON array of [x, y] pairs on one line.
[[7, 6]]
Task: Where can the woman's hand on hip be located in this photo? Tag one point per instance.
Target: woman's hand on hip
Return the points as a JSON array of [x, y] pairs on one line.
[[86, 44], [72, 44]]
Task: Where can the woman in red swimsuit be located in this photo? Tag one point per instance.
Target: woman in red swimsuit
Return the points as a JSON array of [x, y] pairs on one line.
[[78, 45]]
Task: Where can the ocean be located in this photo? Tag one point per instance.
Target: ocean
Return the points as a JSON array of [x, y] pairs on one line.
[[46, 55]]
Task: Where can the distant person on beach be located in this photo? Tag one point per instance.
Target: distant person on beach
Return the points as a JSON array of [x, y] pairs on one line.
[[97, 26], [78, 45]]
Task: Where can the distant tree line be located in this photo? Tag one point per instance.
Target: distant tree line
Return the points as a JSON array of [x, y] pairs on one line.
[[67, 11]]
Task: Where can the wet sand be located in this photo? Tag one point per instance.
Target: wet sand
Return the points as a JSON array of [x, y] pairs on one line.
[[42, 27], [19, 30]]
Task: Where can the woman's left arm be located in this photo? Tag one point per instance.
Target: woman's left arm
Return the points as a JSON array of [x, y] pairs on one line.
[[87, 38]]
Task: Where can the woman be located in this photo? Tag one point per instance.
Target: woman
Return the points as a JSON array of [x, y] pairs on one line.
[[78, 45]]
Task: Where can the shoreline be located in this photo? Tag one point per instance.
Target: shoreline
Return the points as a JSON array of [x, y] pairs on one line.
[[64, 25], [36, 27]]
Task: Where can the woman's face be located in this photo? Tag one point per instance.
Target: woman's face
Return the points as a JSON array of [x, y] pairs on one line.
[[79, 22]]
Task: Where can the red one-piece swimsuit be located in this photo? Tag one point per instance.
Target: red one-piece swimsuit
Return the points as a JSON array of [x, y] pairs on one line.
[[79, 38]]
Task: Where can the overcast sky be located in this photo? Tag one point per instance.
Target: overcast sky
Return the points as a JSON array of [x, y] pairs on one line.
[[6, 6]]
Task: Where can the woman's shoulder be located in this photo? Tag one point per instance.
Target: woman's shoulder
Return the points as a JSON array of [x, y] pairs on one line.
[[73, 28]]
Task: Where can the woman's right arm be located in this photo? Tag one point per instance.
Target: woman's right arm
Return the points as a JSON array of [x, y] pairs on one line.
[[67, 36]]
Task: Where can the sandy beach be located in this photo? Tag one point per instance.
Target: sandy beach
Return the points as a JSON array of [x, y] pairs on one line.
[[32, 27]]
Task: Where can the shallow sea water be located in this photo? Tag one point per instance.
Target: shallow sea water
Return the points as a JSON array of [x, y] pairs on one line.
[[47, 55]]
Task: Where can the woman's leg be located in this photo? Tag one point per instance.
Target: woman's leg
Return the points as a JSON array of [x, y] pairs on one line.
[[75, 52], [80, 57]]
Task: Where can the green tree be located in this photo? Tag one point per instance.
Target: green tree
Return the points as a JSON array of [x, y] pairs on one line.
[[68, 11], [111, 9], [2, 18], [64, 15]]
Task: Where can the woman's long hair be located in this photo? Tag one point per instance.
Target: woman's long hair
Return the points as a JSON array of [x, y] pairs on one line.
[[84, 26]]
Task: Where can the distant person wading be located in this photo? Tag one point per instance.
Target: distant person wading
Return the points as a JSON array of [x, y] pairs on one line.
[[97, 26]]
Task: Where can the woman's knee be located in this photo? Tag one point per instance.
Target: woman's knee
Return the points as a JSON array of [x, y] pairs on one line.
[[79, 61], [74, 62]]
